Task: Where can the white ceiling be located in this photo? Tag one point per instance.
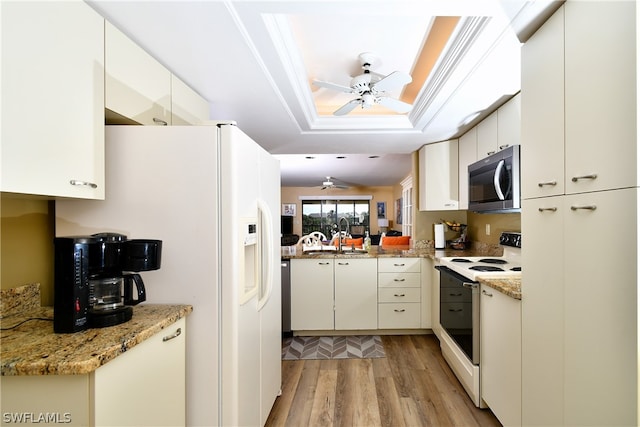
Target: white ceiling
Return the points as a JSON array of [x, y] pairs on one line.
[[254, 62]]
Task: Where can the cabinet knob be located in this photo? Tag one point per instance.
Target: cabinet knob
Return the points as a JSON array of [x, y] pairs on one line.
[[176, 334], [83, 183]]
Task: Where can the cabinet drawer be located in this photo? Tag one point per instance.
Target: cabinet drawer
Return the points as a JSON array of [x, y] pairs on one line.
[[394, 280], [399, 295], [398, 316], [399, 265]]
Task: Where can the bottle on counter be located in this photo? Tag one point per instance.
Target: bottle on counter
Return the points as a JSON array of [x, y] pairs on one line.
[[367, 241]]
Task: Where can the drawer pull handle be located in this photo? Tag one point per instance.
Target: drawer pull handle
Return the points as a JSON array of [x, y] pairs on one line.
[[343, 263], [455, 295], [398, 265], [176, 334], [547, 209], [399, 280], [83, 183], [490, 153], [590, 176], [588, 207], [159, 121], [323, 263], [457, 310], [399, 311], [398, 295], [550, 183], [502, 147], [486, 293]]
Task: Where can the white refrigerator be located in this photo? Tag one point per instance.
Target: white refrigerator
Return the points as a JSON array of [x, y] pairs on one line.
[[212, 195]]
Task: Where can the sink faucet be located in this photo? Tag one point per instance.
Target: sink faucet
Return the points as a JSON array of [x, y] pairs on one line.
[[346, 231]]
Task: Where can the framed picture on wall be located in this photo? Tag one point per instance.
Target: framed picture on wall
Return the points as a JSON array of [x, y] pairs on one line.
[[382, 209], [288, 209]]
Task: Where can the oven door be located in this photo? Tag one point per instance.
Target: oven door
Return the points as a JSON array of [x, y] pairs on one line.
[[460, 311]]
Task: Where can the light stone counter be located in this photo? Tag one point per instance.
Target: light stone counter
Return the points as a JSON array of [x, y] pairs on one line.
[[32, 348], [510, 286]]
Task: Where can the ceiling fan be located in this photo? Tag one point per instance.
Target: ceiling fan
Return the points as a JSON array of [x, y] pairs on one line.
[[329, 183], [370, 88]]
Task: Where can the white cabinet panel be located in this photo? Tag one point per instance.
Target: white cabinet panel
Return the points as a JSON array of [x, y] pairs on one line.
[[52, 133], [312, 294], [438, 174], [356, 294], [466, 155], [187, 107], [487, 136], [138, 87], [399, 316], [509, 122]]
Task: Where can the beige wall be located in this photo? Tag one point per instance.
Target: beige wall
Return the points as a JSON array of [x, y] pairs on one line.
[[26, 244]]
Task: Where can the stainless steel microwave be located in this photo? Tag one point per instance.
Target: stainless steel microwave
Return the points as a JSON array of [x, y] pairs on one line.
[[494, 182]]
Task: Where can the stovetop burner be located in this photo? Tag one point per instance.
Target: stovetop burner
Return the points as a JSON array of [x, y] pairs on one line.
[[516, 269], [485, 268], [461, 260], [493, 261]]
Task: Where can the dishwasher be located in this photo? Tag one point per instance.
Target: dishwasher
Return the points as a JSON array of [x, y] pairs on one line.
[[286, 298]]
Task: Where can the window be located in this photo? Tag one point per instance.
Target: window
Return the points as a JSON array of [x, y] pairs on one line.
[[407, 206], [323, 215]]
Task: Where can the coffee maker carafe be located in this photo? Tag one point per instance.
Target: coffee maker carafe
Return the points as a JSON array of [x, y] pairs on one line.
[[96, 280]]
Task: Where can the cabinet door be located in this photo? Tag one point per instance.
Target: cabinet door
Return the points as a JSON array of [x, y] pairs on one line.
[[542, 150], [467, 147], [600, 95], [438, 166], [138, 87], [356, 294], [311, 294], [509, 123], [146, 385], [187, 107], [543, 312], [426, 279], [500, 353], [52, 129], [487, 136], [600, 316]]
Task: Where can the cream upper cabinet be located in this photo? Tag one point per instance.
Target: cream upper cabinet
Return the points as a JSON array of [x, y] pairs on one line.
[[138, 87], [187, 107], [579, 101], [487, 136], [52, 120], [466, 155], [600, 96], [356, 294], [509, 122], [543, 97], [500, 352], [438, 169]]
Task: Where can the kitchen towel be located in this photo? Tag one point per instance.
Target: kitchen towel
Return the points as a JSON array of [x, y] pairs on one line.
[[339, 347]]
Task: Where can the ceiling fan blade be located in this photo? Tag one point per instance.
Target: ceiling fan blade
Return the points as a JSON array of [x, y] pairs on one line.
[[347, 108], [394, 104], [333, 86], [392, 81]]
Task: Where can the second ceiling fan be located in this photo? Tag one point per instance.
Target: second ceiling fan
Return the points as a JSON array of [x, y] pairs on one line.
[[371, 88]]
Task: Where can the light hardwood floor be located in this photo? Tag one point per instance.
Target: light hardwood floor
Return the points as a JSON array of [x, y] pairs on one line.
[[412, 386]]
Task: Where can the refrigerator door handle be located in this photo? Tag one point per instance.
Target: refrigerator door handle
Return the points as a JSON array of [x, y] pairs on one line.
[[266, 260]]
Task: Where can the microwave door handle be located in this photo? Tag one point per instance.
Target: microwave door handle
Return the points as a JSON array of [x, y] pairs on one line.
[[496, 179]]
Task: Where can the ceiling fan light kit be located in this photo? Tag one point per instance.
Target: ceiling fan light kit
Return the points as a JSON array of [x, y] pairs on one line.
[[370, 88]]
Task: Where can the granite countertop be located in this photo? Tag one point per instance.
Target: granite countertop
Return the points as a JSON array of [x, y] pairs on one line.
[[34, 349], [296, 252], [510, 286]]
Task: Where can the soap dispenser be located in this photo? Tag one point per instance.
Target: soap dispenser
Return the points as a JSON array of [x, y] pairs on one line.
[[367, 241]]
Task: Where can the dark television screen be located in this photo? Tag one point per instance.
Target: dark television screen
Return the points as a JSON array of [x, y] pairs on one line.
[[287, 224]]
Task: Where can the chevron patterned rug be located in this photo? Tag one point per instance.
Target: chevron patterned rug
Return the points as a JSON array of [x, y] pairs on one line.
[[341, 347]]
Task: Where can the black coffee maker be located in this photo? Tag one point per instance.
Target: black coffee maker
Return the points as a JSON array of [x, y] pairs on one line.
[[96, 280]]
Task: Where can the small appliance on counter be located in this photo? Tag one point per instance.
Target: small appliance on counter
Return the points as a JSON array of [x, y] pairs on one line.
[[95, 277]]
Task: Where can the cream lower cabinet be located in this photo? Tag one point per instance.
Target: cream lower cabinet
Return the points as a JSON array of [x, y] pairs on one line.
[[579, 309], [334, 294], [312, 294], [52, 119], [356, 294], [143, 387], [399, 293], [500, 353]]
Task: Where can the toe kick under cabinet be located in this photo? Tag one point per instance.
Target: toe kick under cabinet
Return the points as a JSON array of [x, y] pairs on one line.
[[399, 293]]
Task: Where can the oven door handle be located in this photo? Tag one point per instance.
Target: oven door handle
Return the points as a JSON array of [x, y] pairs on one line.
[[470, 285]]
